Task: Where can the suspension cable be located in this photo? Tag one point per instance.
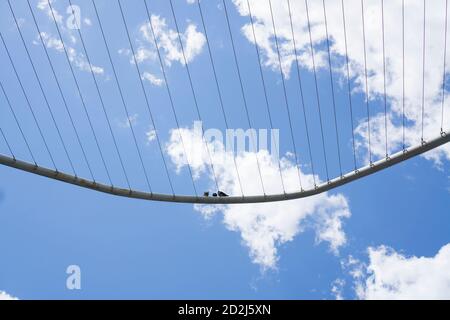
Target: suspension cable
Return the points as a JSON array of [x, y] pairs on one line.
[[7, 143], [445, 66], [347, 60], [146, 96], [265, 93], [374, 166], [243, 92], [403, 75], [60, 92], [49, 109], [142, 87], [18, 123], [384, 81], [147, 179], [288, 111], [30, 108], [138, 70], [301, 92], [119, 88], [101, 100], [366, 81], [219, 92], [317, 90], [332, 88], [423, 69], [191, 85], [79, 92]]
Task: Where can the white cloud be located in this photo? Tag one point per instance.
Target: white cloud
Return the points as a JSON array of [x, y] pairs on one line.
[[354, 267], [193, 41], [394, 60], [43, 5], [337, 287], [5, 296], [21, 22], [144, 54], [87, 21], [75, 57], [154, 80], [392, 275], [130, 121], [52, 42], [151, 135], [263, 227]]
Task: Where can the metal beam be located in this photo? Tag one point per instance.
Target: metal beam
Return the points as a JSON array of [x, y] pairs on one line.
[[337, 182]]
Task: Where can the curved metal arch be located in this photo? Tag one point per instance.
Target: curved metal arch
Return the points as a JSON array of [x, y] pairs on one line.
[[337, 182]]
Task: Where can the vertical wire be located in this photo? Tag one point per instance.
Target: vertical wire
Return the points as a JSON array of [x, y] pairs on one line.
[[366, 81], [445, 66], [147, 179], [403, 75], [79, 92], [61, 92], [138, 71], [119, 88], [147, 102], [288, 111], [317, 90], [384, 81], [347, 60], [18, 123], [332, 88], [265, 93], [299, 78], [243, 92], [49, 109], [30, 108], [116, 147], [222, 107], [192, 88], [7, 143], [423, 69]]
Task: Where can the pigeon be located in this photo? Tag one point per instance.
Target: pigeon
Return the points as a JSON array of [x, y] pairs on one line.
[[222, 194], [206, 194], [214, 194]]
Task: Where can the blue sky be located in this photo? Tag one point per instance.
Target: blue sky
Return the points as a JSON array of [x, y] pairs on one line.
[[348, 243]]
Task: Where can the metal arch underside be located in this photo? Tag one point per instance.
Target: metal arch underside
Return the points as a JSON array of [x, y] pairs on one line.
[[337, 182]]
